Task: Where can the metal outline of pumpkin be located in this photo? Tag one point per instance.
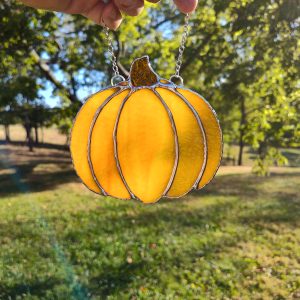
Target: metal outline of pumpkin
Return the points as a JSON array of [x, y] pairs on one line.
[[110, 158]]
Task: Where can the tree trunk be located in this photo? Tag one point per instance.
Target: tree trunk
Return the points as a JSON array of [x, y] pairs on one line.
[[67, 139], [242, 132], [28, 134], [36, 133], [7, 135], [42, 131], [29, 138], [241, 148]]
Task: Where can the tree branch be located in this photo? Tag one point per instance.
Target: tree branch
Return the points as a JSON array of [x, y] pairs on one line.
[[195, 53], [157, 25], [51, 77]]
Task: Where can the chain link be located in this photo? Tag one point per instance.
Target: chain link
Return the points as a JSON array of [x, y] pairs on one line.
[[182, 45], [110, 48]]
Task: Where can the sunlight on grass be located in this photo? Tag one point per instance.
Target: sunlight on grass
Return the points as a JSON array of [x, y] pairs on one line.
[[237, 239], [67, 243]]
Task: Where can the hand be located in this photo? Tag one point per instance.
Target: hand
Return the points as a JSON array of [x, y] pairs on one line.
[[102, 12]]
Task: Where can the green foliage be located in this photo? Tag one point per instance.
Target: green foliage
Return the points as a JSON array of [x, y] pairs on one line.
[[64, 127], [272, 157], [243, 56]]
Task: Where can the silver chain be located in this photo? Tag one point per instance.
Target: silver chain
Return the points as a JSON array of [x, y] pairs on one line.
[[174, 78], [111, 51], [117, 78], [182, 45]]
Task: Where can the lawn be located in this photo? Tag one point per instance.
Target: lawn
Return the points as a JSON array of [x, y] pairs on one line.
[[239, 238]]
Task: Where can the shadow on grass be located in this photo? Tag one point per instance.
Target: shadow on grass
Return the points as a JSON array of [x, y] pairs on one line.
[[34, 172], [242, 185], [23, 179], [284, 209], [37, 288], [293, 156], [115, 279], [38, 146]]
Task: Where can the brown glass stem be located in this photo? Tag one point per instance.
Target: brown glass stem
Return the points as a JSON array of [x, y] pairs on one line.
[[141, 73]]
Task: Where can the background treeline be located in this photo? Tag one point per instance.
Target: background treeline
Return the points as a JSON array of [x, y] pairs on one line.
[[242, 55]]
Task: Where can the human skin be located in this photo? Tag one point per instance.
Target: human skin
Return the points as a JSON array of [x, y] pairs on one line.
[[106, 12]]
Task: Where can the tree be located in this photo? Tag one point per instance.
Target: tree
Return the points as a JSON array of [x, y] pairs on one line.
[[243, 55]]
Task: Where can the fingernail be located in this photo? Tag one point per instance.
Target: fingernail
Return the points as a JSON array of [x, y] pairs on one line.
[[113, 24], [117, 24]]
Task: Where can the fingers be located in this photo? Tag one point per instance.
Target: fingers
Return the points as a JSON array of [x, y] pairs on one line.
[[111, 16], [130, 7], [100, 12], [104, 14], [186, 6]]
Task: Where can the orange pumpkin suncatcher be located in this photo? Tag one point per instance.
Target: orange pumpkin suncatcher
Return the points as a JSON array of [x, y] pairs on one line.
[[146, 138]]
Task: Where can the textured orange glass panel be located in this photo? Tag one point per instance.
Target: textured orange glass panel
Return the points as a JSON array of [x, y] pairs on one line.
[[191, 144], [146, 145], [212, 131], [79, 137], [102, 149]]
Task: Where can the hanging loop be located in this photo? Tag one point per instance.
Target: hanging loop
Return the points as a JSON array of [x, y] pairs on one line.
[[176, 79], [117, 79]]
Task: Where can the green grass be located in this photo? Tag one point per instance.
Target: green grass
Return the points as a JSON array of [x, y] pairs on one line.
[[239, 238]]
